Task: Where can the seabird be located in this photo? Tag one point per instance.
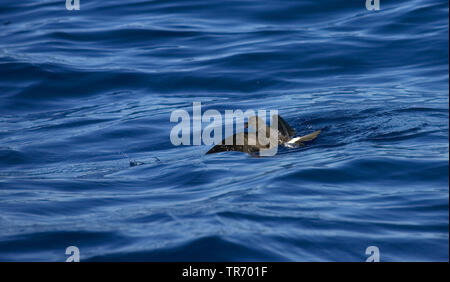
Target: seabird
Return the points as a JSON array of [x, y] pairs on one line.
[[251, 145]]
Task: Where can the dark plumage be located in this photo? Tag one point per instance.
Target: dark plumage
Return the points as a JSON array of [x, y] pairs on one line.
[[250, 143]]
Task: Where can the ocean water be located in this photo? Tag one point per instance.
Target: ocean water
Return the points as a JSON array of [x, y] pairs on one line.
[[84, 92]]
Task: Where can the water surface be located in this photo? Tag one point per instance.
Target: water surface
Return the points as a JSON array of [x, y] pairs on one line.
[[84, 92]]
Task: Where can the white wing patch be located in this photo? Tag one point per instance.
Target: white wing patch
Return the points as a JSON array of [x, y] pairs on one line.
[[293, 140]]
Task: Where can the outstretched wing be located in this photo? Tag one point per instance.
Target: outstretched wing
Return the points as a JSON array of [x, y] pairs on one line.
[[283, 126], [306, 138]]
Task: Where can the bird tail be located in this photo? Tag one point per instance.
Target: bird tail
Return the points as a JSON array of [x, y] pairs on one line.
[[306, 138]]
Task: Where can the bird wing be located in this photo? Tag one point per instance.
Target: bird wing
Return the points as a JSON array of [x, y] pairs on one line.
[[283, 126], [236, 139], [241, 142], [306, 138]]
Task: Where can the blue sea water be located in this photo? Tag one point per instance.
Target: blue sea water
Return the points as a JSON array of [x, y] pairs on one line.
[[84, 92]]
